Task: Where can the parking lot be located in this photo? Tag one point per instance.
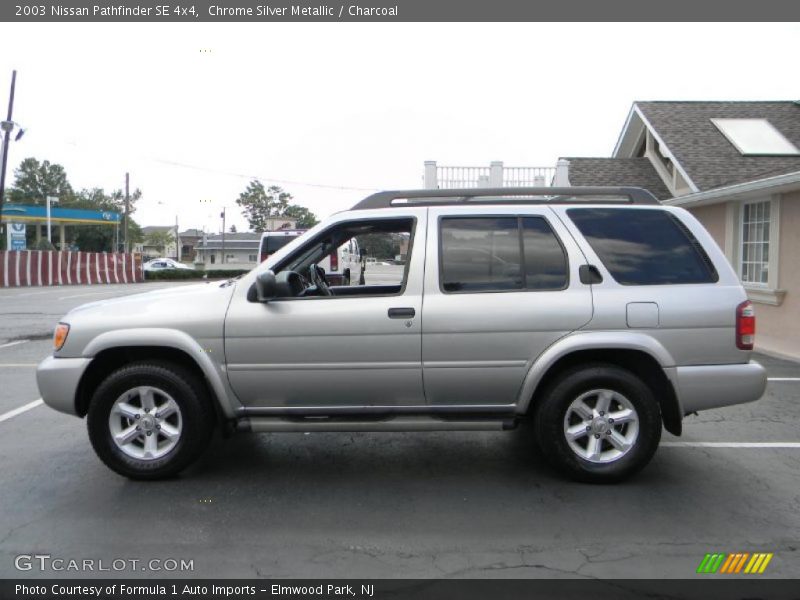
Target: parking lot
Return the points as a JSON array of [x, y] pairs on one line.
[[388, 505]]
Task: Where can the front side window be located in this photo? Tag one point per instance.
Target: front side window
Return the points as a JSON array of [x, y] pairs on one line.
[[755, 243], [489, 254], [644, 247], [371, 264]]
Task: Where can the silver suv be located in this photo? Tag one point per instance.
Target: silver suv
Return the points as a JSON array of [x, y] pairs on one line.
[[595, 313]]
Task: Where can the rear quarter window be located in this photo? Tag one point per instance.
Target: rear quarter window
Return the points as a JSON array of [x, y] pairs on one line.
[[644, 247]]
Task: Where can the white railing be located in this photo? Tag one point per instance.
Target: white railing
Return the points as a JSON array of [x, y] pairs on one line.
[[495, 175]]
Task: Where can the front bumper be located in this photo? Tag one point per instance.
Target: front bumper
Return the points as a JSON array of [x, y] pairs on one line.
[[58, 380], [712, 386]]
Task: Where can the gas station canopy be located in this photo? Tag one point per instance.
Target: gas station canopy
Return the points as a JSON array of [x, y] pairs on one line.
[[23, 213]]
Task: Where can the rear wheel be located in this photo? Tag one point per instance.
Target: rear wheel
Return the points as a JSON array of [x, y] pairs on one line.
[[150, 420], [598, 423]]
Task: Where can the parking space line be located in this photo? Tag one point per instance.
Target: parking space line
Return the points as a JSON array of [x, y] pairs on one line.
[[98, 293], [10, 365], [783, 378], [795, 445], [18, 411], [9, 344]]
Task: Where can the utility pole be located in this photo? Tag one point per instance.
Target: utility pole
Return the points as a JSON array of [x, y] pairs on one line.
[[177, 240], [222, 214], [127, 208], [7, 126]]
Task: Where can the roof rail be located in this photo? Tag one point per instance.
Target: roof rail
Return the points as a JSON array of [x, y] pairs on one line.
[[509, 195]]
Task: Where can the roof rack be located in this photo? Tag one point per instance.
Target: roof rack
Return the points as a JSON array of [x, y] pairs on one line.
[[509, 195]]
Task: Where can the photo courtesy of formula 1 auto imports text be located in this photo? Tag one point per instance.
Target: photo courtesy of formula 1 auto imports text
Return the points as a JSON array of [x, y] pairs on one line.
[[399, 299]]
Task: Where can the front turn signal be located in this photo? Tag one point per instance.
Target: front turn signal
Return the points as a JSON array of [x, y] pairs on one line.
[[60, 336]]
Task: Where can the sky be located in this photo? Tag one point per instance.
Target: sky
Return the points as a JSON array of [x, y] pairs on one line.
[[334, 111]]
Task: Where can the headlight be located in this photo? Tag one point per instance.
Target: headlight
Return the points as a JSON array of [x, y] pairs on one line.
[[60, 336]]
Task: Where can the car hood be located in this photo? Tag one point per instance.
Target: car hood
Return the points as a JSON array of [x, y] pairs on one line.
[[198, 310], [151, 297]]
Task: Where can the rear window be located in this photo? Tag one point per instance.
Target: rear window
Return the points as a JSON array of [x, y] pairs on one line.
[[273, 243], [644, 247]]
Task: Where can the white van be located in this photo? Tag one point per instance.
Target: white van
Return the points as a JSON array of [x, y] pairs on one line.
[[342, 266]]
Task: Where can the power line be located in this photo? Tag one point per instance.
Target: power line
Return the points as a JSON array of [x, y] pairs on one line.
[[175, 163]]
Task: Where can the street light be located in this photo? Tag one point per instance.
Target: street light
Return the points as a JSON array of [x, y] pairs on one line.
[[54, 200]]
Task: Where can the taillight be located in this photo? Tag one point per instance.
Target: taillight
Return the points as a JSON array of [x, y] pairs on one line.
[[335, 260], [745, 326]]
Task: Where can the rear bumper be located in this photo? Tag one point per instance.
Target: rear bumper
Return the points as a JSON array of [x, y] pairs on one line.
[[58, 380], [712, 386]]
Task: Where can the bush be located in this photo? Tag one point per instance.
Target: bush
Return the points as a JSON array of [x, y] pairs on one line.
[[44, 244], [181, 274]]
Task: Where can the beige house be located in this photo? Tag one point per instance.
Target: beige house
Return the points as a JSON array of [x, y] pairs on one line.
[[736, 167]]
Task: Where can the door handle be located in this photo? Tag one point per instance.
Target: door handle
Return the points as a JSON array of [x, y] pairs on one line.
[[402, 313]]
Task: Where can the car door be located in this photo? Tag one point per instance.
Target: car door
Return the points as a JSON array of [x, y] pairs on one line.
[[501, 285], [338, 351]]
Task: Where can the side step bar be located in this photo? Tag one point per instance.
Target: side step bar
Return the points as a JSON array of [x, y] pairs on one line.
[[399, 423]]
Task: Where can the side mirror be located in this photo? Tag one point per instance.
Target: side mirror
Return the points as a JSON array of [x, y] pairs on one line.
[[266, 287]]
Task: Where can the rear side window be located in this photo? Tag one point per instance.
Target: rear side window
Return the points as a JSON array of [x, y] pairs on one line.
[[644, 247], [500, 254]]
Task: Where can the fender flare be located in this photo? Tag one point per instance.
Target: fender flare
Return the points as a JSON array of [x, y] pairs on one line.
[[592, 340], [176, 339]]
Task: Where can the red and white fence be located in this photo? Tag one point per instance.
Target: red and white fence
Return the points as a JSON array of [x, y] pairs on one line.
[[22, 268]]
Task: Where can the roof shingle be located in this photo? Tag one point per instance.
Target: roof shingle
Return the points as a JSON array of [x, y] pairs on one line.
[[709, 159], [635, 172]]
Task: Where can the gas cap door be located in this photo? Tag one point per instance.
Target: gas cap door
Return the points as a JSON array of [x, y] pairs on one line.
[[642, 315]]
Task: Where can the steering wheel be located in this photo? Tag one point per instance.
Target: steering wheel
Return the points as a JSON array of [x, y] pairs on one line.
[[317, 276]]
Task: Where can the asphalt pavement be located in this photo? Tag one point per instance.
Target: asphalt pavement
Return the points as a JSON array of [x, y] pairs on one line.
[[386, 505]]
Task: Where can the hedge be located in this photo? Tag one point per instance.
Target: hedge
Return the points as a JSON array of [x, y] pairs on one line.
[[177, 274]]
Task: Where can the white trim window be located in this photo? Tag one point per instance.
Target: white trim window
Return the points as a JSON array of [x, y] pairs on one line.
[[755, 243]]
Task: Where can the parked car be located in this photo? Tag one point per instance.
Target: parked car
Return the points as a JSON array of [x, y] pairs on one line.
[[341, 265], [161, 264], [595, 313]]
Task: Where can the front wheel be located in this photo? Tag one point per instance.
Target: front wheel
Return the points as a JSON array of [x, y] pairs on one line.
[[150, 420], [598, 423]]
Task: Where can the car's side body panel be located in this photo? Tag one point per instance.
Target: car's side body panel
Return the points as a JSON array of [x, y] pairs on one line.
[[330, 351]]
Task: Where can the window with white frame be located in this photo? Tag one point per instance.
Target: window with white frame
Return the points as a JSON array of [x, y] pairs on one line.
[[755, 243]]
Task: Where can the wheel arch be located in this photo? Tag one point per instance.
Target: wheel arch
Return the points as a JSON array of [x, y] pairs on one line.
[[646, 358], [114, 349]]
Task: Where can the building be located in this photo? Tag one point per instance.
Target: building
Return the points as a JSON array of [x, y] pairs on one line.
[[241, 251], [734, 165], [189, 240], [23, 218], [149, 250]]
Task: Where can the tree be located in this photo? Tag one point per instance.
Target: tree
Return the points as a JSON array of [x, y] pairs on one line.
[[233, 229], [34, 181], [260, 204], [159, 239], [305, 218], [100, 238]]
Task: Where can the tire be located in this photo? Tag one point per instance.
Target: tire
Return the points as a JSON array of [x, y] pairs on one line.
[[602, 449], [161, 398]]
